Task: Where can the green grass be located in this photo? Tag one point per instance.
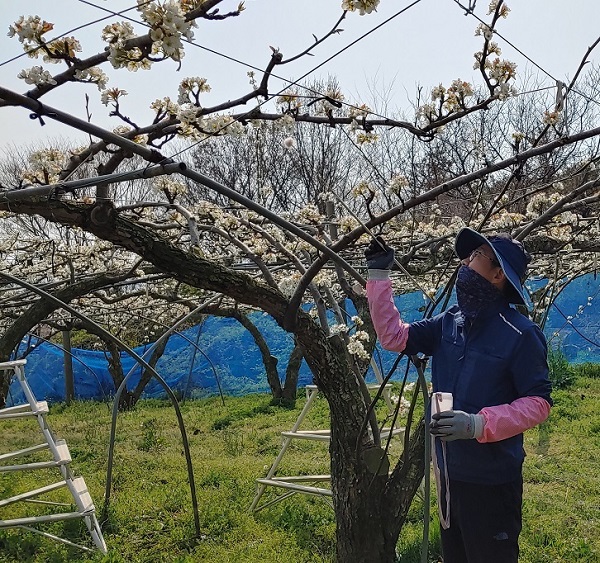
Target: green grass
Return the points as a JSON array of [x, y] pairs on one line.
[[151, 519]]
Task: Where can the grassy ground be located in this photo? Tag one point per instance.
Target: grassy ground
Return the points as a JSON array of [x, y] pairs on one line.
[[150, 517]]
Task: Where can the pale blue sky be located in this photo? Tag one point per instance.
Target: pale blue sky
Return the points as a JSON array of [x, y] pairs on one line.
[[430, 43]]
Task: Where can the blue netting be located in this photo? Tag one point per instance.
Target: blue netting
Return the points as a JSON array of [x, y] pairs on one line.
[[237, 361]]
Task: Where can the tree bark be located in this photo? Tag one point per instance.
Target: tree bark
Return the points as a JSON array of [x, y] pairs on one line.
[[147, 375], [291, 375]]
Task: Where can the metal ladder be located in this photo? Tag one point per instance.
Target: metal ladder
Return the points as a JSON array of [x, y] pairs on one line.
[[306, 484], [60, 460]]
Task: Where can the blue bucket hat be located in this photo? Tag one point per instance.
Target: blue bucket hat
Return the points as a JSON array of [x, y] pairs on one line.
[[510, 254]]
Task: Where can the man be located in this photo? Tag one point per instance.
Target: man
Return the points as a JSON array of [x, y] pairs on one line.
[[494, 362]]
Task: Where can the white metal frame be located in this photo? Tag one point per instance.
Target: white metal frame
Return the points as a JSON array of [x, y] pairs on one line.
[[60, 460], [307, 483]]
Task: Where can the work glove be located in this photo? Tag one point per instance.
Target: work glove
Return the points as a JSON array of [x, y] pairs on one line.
[[379, 255], [456, 425]]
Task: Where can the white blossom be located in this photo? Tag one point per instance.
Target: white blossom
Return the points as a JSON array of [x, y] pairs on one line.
[[36, 75], [551, 117], [338, 329], [356, 348], [191, 86], [111, 95], [363, 6], [285, 123], [398, 185], [289, 143], [287, 285], [93, 75]]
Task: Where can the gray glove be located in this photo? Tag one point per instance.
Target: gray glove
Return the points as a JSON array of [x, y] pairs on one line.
[[379, 255], [457, 425]]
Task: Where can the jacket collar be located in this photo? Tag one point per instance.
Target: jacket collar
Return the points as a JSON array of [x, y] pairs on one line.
[[485, 313]]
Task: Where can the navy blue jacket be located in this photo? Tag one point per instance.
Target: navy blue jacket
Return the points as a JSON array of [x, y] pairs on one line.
[[497, 359]]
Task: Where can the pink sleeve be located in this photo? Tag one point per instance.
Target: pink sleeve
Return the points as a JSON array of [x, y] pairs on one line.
[[506, 421], [391, 331]]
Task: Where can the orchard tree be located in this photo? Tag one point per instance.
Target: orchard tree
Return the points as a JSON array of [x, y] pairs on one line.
[[229, 243]]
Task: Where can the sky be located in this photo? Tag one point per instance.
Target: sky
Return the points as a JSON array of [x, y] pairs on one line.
[[430, 42]]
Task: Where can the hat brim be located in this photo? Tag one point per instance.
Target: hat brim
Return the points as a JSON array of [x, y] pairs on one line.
[[468, 240]]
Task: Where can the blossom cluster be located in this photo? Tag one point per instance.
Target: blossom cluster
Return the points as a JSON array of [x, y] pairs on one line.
[[338, 328], [164, 107], [540, 202], [30, 32], [93, 75], [309, 214], [222, 125], [504, 9], [501, 70], [366, 137], [398, 185], [36, 75], [168, 25], [356, 346], [59, 49], [445, 101], [404, 403], [44, 166], [289, 100], [453, 98], [287, 285], [125, 131], [190, 89], [347, 223], [112, 95], [551, 117], [362, 189], [332, 99], [208, 211], [363, 6], [362, 135], [484, 30], [117, 36], [285, 123], [359, 112]]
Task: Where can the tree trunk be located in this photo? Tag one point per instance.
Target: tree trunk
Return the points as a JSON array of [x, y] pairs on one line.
[[115, 368], [370, 509], [269, 361], [291, 375], [157, 353]]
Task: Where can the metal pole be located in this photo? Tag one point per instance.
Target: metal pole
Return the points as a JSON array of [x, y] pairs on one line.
[[68, 358], [48, 190]]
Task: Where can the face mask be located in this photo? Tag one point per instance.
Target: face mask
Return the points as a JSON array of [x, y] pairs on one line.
[[474, 292]]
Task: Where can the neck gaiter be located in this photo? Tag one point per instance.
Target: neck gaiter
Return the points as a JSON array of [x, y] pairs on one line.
[[474, 292]]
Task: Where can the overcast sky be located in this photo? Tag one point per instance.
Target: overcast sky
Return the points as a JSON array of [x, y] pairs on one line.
[[432, 42]]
